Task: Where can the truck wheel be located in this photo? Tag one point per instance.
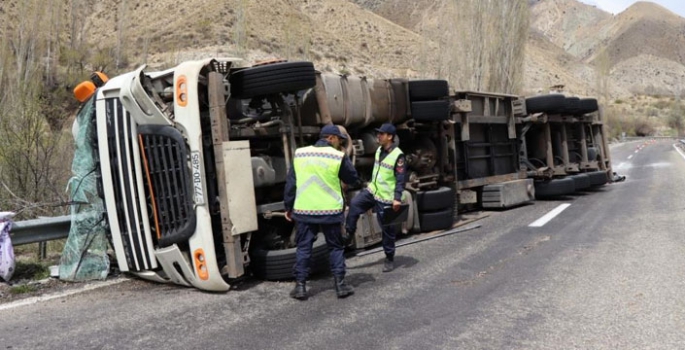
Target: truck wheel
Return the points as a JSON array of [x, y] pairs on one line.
[[427, 90], [425, 111], [597, 178], [581, 181], [554, 188], [572, 105], [436, 220], [272, 79], [552, 103], [592, 153], [587, 105], [434, 200], [278, 264]]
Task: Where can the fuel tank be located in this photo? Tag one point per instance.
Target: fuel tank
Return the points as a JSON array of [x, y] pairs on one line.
[[355, 102]]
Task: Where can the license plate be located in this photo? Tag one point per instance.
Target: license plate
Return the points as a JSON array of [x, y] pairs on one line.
[[198, 192]]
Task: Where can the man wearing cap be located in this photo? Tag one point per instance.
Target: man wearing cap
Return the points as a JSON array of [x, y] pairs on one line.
[[385, 188], [313, 198]]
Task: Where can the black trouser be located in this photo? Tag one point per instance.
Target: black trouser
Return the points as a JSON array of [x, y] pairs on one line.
[[361, 203], [306, 233]]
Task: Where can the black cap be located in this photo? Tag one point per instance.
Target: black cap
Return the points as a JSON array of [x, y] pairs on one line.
[[331, 129], [387, 128]]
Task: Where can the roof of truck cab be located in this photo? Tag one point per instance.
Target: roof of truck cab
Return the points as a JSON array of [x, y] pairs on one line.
[[236, 62]]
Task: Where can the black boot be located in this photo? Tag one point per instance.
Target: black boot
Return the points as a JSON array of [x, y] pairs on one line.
[[300, 291], [388, 264], [342, 289]]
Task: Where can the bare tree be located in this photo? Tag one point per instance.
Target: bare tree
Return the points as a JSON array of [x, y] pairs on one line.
[[121, 33], [31, 168], [482, 43], [240, 27], [509, 27]]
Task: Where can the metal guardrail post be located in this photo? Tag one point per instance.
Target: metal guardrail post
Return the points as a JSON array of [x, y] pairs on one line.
[[40, 230]]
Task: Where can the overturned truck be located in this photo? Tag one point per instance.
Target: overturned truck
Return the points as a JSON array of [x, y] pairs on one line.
[[192, 161]]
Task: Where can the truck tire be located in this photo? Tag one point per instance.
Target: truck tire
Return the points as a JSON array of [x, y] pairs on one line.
[[272, 79], [234, 107], [572, 106], [441, 198], [428, 90], [425, 111], [436, 220], [278, 264], [597, 178], [587, 105], [554, 188], [581, 181], [551, 103], [592, 153]]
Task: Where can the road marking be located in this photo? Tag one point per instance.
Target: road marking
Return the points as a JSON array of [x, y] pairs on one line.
[[623, 166], [679, 151], [42, 298], [630, 156], [549, 216]]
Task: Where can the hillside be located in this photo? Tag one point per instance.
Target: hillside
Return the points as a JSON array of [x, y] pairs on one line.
[[645, 44], [337, 34], [569, 24], [646, 28]]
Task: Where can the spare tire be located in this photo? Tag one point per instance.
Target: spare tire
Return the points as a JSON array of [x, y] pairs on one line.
[[271, 79], [552, 103], [427, 90], [424, 111], [278, 264]]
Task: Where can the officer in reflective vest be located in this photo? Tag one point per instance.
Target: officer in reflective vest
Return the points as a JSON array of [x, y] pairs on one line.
[[385, 188], [313, 198]]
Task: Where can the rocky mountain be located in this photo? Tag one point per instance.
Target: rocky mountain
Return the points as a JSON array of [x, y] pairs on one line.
[[642, 49]]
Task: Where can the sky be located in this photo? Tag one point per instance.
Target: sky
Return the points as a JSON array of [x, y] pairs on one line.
[[617, 6]]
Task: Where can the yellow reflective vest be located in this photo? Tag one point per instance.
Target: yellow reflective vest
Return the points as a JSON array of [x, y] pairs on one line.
[[383, 181], [318, 185]]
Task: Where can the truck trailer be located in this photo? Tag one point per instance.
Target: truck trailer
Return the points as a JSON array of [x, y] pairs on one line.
[[192, 161]]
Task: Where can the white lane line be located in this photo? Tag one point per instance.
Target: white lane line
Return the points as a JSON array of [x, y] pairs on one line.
[[679, 151], [549, 216], [87, 287], [630, 156]]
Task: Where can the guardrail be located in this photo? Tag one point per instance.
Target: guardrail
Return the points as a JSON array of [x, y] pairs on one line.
[[40, 230]]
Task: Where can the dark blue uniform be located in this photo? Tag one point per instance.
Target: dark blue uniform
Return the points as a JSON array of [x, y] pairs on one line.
[[308, 226], [365, 201]]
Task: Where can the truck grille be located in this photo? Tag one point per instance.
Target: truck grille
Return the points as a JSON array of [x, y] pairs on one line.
[[169, 183], [151, 186]]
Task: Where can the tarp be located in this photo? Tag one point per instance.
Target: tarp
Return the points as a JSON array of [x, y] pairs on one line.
[[85, 253]]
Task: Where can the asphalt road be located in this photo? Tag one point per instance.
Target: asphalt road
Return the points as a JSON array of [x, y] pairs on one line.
[[606, 273]]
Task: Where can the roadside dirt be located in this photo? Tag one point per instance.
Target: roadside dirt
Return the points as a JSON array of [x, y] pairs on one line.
[[24, 289]]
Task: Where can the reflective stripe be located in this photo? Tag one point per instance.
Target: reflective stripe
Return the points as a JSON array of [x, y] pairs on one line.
[[383, 180], [318, 185], [316, 180]]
